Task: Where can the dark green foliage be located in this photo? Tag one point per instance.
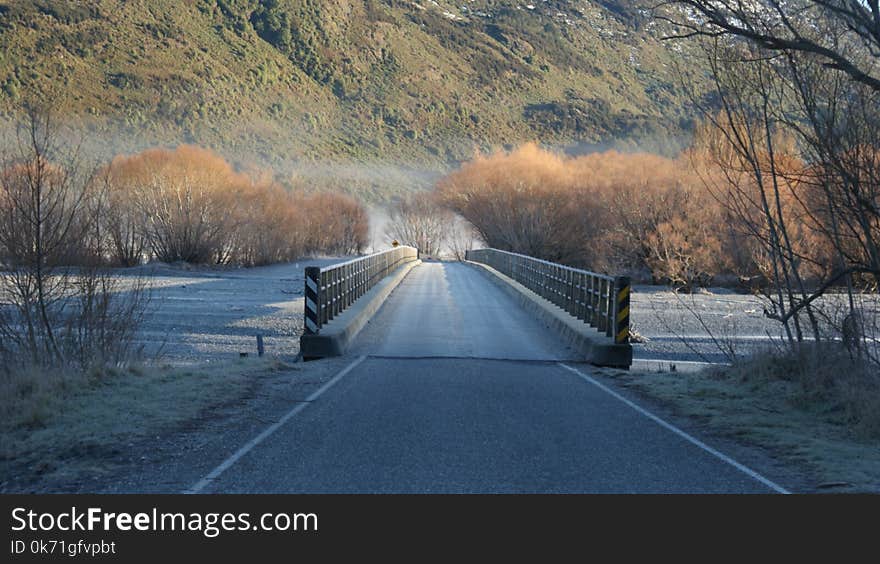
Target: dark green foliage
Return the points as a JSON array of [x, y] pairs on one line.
[[290, 26], [64, 11], [488, 60]]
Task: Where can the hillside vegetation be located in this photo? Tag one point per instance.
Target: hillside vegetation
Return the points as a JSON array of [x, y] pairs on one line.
[[307, 85]]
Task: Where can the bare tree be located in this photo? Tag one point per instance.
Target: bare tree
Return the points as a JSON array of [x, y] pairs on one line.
[[750, 150], [842, 35], [824, 58], [58, 306], [419, 221], [807, 69], [462, 237], [123, 221], [42, 205]]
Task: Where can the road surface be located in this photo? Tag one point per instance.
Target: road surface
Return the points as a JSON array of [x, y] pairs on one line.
[[453, 388]]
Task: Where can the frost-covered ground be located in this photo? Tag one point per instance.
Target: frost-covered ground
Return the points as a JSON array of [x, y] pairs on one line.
[[204, 315], [680, 327], [208, 315], [694, 328]]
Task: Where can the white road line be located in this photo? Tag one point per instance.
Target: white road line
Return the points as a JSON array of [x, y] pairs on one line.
[[741, 467], [201, 484]]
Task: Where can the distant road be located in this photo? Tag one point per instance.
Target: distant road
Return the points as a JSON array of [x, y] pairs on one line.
[[453, 388]]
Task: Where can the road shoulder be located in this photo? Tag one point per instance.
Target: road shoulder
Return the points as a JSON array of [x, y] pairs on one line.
[[759, 427], [156, 431]]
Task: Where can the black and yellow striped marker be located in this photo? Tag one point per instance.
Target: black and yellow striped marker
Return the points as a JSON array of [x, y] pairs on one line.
[[312, 300], [621, 309]]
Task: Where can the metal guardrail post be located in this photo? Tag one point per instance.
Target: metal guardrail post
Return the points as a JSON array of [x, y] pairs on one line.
[[591, 300], [621, 309], [313, 301], [609, 308], [331, 295], [579, 296], [334, 292]]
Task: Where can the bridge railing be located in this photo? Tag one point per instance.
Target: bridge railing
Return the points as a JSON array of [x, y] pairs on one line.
[[329, 290], [597, 299]]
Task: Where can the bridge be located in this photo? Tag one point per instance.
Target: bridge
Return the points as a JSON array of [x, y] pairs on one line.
[[474, 376], [448, 310]]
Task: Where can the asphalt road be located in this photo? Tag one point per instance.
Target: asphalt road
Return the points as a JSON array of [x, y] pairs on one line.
[[452, 388]]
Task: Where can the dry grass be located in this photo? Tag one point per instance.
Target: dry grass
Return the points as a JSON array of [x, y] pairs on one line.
[[815, 408], [59, 425], [824, 380]]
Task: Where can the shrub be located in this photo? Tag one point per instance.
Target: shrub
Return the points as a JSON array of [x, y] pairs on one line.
[[604, 211], [186, 199], [826, 378], [420, 222], [189, 204]]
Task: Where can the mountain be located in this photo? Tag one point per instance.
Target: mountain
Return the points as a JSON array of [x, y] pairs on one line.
[[391, 84]]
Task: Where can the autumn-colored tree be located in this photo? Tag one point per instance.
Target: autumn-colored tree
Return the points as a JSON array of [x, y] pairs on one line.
[[335, 223], [609, 211], [186, 200], [270, 226], [520, 201], [189, 204]]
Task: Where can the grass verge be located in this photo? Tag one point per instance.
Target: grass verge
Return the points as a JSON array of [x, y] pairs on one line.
[[813, 410], [60, 427]]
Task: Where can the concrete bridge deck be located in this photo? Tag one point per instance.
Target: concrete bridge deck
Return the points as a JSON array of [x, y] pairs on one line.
[[451, 310]]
